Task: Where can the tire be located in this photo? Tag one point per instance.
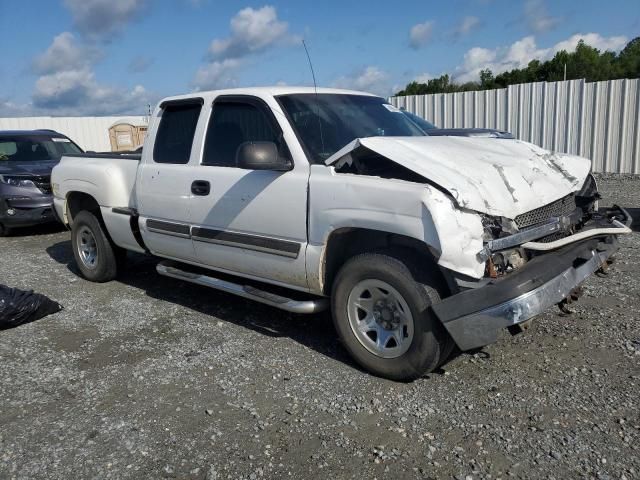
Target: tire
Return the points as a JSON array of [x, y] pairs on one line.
[[447, 348], [4, 231], [409, 345], [96, 256]]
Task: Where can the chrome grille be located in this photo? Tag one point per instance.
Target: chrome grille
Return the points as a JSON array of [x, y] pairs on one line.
[[559, 208]]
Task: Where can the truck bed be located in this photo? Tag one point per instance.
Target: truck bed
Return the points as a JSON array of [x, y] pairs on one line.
[[109, 178]]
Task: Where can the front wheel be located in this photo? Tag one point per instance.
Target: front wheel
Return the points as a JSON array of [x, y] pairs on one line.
[[96, 256], [383, 318], [4, 231]]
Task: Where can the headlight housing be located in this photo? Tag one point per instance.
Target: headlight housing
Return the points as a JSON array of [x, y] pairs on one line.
[[589, 187], [16, 181], [496, 227], [588, 196]]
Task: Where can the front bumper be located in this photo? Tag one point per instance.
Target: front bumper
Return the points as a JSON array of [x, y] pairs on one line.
[[474, 317], [27, 211]]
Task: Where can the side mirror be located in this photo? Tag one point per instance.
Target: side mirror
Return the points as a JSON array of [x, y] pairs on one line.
[[261, 156]]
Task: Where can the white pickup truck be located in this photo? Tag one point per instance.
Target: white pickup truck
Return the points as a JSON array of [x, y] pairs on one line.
[[305, 200]]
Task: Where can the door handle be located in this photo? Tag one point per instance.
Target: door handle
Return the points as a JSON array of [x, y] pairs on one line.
[[201, 187]]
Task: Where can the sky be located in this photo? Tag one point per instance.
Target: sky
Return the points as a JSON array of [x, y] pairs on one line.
[[114, 57]]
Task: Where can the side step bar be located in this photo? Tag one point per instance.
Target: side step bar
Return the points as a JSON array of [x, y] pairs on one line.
[[170, 269]]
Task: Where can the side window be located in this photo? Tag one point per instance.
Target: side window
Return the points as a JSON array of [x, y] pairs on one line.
[[231, 124], [8, 148], [175, 133]]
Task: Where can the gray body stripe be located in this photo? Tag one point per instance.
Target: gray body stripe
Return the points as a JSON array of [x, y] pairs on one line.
[[270, 245]]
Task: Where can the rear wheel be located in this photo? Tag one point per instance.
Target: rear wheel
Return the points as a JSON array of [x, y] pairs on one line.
[[97, 257], [383, 318]]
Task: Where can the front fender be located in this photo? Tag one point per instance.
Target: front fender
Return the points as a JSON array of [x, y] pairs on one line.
[[414, 210], [459, 233]]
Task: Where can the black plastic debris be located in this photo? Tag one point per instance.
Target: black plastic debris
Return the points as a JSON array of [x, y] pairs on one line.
[[19, 306]]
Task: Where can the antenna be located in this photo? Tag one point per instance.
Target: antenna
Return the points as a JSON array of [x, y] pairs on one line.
[[315, 86], [313, 75]]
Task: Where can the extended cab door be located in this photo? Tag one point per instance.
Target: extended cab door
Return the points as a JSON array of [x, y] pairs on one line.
[[251, 222], [163, 186]]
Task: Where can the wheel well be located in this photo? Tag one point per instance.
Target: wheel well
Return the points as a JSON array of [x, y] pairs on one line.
[[348, 242], [80, 201]]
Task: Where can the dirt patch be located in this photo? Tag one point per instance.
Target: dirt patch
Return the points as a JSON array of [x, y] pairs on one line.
[[148, 377]]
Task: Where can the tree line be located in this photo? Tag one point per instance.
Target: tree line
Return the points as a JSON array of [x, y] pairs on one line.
[[584, 62]]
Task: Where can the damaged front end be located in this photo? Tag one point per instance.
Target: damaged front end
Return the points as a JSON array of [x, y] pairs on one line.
[[510, 243], [518, 227], [475, 316], [537, 260]]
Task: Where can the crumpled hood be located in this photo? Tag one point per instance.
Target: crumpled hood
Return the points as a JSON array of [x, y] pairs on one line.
[[27, 168], [494, 176]]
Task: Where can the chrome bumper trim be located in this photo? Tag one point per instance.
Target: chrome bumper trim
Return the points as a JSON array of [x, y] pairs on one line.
[[481, 328]]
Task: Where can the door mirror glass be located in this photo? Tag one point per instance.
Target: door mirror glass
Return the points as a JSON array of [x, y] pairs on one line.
[[261, 156]]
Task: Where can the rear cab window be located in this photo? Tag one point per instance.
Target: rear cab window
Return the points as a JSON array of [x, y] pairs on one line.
[[176, 131]]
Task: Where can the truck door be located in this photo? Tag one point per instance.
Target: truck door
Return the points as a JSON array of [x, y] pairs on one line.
[[250, 222], [163, 185]]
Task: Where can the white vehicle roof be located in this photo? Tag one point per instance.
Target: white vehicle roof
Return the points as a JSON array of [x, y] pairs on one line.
[[263, 92]]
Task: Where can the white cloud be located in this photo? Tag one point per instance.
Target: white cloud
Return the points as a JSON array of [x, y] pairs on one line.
[[466, 26], [521, 52], [76, 92], [537, 17], [420, 34], [11, 109], [101, 19], [65, 54], [67, 84], [369, 79], [252, 31], [218, 74], [595, 40], [423, 77], [63, 88]]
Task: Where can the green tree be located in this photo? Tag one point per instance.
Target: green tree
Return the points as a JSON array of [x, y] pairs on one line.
[[628, 61], [584, 62], [486, 79]]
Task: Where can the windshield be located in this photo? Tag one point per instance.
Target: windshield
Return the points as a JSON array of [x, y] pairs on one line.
[[327, 122], [33, 148], [421, 122]]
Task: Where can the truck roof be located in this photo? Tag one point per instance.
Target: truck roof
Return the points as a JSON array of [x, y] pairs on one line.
[[264, 91]]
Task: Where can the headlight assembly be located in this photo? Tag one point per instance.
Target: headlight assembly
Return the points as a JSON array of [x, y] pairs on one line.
[[588, 196], [589, 187], [16, 181], [496, 227]]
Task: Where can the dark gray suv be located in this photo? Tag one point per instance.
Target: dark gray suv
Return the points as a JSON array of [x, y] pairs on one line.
[[26, 161]]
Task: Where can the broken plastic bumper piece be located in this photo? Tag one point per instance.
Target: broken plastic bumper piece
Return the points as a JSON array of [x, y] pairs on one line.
[[474, 317], [607, 223]]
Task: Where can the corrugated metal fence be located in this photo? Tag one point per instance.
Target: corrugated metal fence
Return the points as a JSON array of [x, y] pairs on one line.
[[91, 133], [597, 120]]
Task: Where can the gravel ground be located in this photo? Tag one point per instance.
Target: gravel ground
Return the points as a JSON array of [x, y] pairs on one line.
[[148, 377]]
